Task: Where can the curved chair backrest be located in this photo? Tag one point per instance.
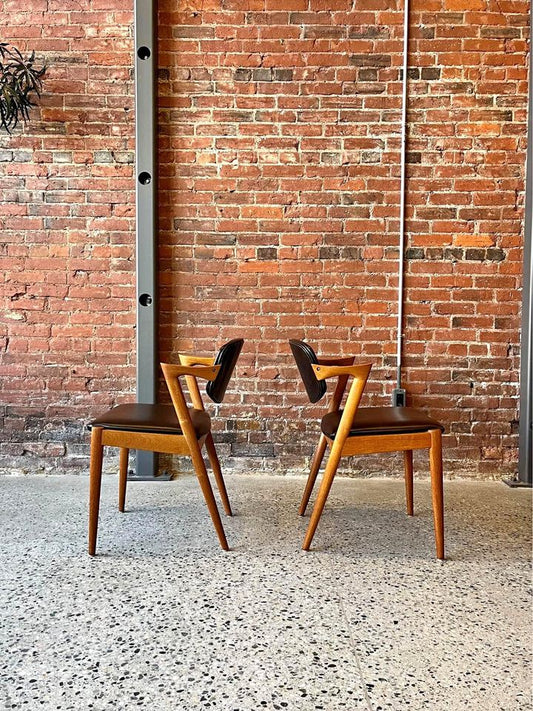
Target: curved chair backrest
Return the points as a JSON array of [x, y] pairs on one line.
[[305, 357], [226, 359]]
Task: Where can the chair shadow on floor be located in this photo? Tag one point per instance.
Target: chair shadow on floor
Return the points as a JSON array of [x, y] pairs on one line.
[[366, 530], [372, 525]]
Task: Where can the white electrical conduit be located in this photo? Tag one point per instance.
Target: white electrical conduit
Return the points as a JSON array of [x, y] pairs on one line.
[[402, 196]]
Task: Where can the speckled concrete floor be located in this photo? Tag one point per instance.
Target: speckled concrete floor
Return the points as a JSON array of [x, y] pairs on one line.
[[163, 619]]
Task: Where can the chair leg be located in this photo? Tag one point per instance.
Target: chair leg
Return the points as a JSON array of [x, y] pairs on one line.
[[123, 478], [325, 486], [437, 494], [315, 468], [95, 481], [215, 464], [408, 462], [205, 485]]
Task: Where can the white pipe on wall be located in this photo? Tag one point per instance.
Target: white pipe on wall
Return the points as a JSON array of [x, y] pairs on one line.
[[402, 197]]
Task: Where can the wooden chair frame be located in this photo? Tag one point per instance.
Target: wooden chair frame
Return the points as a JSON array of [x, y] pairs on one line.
[[187, 443], [344, 445]]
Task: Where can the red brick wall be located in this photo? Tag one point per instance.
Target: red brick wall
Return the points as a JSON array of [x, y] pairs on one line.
[[279, 152], [67, 207]]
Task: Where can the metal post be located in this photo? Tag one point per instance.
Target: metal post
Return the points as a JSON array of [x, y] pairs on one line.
[[526, 350], [146, 204], [525, 476], [526, 353]]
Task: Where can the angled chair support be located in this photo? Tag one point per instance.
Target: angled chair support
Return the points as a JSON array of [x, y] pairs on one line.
[[355, 430], [170, 429]]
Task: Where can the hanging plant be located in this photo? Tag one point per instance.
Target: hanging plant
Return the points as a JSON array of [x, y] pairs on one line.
[[20, 82]]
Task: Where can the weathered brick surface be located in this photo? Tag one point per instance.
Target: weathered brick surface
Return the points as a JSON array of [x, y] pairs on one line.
[[67, 221], [280, 145], [279, 162]]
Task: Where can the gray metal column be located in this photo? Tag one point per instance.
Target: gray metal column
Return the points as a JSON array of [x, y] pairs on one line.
[[526, 351], [146, 203]]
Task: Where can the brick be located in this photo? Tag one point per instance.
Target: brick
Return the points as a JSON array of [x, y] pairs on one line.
[[279, 178], [370, 60], [430, 73]]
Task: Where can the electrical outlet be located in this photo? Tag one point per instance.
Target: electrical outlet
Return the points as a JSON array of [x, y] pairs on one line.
[[398, 397]]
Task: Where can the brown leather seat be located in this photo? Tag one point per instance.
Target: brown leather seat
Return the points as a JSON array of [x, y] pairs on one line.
[[160, 419], [381, 421]]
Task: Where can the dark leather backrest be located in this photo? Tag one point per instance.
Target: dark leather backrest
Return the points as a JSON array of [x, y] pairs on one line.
[[305, 357], [226, 359]]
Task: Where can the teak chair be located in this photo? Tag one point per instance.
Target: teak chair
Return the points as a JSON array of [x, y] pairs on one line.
[[365, 430], [171, 429]]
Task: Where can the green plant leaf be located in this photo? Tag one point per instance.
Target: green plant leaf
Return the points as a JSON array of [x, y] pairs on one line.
[[20, 80]]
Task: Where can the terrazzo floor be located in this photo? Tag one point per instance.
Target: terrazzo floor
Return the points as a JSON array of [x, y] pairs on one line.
[[163, 619]]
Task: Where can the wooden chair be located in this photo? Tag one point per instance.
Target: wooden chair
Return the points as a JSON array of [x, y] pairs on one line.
[[365, 430], [172, 429]]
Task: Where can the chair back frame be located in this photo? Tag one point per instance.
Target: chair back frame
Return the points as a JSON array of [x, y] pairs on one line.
[[360, 374], [172, 374]]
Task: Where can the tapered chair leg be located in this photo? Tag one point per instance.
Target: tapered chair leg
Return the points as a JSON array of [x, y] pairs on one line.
[[123, 478], [408, 462], [437, 493], [315, 468], [95, 481], [325, 486], [205, 485], [215, 464]]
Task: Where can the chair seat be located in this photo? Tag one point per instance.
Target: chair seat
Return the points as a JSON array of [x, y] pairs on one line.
[[158, 419], [381, 421]]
